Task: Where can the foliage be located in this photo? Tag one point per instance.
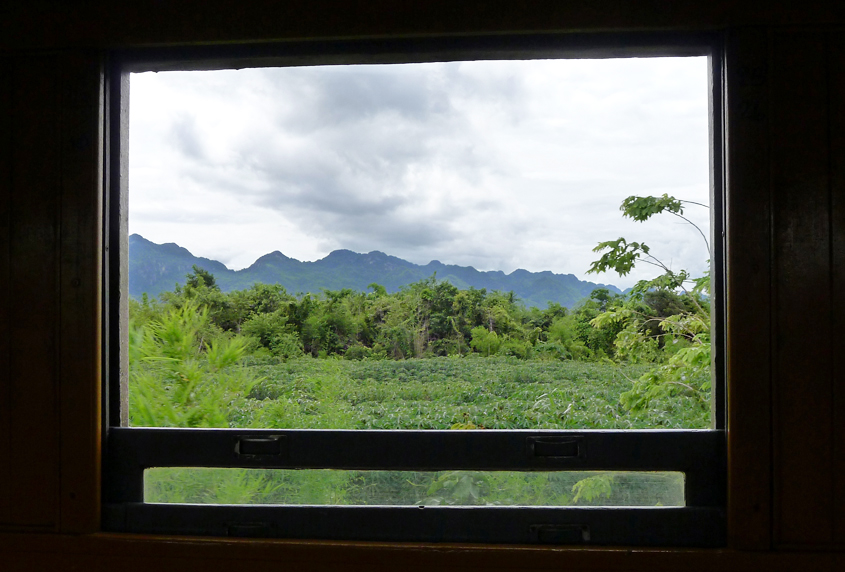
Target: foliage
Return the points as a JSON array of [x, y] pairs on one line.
[[485, 341], [200, 277], [436, 393], [181, 369], [424, 319], [664, 321], [643, 208]]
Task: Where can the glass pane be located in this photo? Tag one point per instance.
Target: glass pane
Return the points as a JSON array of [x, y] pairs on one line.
[[414, 246], [412, 488]]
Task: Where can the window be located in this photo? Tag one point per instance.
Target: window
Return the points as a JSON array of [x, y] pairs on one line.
[[140, 461]]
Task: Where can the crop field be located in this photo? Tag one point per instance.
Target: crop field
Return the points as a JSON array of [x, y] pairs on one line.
[[435, 393], [453, 393]]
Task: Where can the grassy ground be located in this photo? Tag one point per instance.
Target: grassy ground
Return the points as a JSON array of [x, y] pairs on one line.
[[445, 393]]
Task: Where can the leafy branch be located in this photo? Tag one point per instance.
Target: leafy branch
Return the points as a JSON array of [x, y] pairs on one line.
[[641, 209], [635, 341]]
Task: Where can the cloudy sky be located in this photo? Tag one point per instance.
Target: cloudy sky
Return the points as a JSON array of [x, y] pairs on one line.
[[497, 165]]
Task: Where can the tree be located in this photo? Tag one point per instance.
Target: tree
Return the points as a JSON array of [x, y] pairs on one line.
[[201, 277], [665, 319], [485, 341], [181, 368]]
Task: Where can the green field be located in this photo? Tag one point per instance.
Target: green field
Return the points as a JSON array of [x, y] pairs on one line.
[[434, 393], [445, 393]]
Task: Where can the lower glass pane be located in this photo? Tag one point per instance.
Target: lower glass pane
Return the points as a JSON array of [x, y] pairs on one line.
[[412, 488]]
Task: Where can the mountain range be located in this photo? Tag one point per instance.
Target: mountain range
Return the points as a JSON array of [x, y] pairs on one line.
[[155, 268]]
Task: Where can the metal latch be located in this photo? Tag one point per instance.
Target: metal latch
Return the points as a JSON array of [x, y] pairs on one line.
[[271, 446], [570, 447], [560, 533]]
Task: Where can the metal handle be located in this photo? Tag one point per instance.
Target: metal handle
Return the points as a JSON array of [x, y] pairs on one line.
[[557, 447], [260, 446], [560, 533]]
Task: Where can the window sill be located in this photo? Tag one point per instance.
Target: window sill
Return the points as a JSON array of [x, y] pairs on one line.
[[27, 551]]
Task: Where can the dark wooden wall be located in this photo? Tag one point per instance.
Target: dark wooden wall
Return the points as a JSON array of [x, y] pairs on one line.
[[50, 168], [785, 74]]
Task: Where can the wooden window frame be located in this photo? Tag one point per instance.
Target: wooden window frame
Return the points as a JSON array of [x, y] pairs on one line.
[[127, 452]]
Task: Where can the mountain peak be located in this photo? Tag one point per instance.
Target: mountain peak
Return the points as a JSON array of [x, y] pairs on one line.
[[340, 257], [275, 255], [342, 253]]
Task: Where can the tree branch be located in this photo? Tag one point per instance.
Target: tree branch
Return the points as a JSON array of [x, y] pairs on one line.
[[706, 242]]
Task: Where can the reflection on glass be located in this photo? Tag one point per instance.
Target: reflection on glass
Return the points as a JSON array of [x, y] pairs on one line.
[[412, 488]]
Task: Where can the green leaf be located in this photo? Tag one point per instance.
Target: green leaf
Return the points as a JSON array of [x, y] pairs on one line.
[[643, 208], [620, 256]]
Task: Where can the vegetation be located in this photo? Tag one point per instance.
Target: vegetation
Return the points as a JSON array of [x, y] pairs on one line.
[[430, 356], [677, 336], [500, 392]]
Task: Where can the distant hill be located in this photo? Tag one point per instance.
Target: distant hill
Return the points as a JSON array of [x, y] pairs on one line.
[[155, 268]]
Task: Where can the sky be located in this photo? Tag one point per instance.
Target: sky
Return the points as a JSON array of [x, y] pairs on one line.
[[498, 165]]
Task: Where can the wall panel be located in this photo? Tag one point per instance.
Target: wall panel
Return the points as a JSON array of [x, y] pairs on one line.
[[91, 553], [801, 281], [5, 273], [154, 22], [33, 313], [81, 147], [748, 290], [836, 67]]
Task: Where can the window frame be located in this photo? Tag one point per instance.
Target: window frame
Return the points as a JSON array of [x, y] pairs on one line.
[[700, 454]]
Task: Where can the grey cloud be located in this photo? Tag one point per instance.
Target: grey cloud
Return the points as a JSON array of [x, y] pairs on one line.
[[399, 228], [333, 168], [380, 116], [186, 137], [339, 96], [404, 232], [336, 201], [318, 184]]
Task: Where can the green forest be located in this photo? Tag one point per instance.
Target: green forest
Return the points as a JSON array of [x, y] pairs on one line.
[[430, 356]]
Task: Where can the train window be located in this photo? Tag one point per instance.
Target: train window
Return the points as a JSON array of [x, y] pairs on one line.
[[345, 303]]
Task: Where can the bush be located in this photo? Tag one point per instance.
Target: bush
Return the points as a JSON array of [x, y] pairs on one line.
[[357, 352], [286, 346], [181, 369]]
